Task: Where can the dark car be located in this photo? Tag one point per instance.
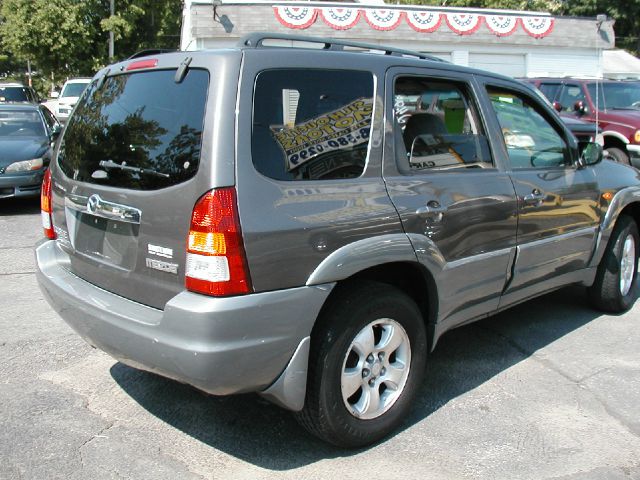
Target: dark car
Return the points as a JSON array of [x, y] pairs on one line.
[[26, 136], [306, 223]]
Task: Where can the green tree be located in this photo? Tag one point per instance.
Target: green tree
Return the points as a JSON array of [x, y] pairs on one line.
[[144, 24], [626, 13], [552, 6], [57, 36]]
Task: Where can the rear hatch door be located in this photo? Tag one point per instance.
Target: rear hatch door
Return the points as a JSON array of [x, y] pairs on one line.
[[129, 170]]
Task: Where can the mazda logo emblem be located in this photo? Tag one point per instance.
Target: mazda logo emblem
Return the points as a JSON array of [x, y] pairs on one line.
[[92, 203]]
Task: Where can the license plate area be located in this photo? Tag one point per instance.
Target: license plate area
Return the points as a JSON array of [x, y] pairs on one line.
[[106, 240]]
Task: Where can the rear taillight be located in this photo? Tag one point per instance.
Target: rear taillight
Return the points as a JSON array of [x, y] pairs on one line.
[[46, 207], [216, 263]]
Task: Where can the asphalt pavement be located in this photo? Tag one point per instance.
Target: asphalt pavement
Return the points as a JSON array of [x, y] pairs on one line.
[[547, 390]]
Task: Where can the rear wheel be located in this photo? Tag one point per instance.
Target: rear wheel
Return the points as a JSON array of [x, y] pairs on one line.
[[615, 288], [618, 155], [366, 363]]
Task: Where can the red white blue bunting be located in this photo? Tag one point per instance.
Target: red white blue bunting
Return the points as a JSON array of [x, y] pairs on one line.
[[296, 17], [383, 19], [340, 18], [423, 21], [501, 25], [463, 23], [537, 27]]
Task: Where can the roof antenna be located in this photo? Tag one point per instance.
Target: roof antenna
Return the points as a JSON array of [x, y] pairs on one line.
[[600, 19]]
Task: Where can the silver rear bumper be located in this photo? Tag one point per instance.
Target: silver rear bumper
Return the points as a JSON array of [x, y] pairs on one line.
[[219, 345]]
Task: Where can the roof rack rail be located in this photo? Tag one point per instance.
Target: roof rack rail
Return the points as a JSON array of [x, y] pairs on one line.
[[256, 40]]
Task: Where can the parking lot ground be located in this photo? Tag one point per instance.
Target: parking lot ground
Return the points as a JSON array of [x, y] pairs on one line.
[[547, 390]]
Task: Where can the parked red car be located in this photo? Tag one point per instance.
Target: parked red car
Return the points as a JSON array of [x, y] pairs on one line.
[[614, 103]]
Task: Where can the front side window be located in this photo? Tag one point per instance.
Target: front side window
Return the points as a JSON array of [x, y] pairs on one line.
[[531, 140], [311, 124], [436, 126], [141, 131]]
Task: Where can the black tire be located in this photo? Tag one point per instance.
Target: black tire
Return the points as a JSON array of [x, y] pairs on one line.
[[352, 310], [606, 293], [618, 155]]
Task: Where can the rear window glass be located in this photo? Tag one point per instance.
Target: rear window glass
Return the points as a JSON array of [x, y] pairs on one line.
[[140, 131], [14, 94], [311, 124]]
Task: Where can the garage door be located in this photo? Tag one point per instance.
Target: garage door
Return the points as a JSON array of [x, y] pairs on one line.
[[505, 64]]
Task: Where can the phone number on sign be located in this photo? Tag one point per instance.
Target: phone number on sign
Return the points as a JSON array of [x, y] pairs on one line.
[[347, 140]]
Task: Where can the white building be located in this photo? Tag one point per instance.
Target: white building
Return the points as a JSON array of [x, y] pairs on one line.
[[510, 42]]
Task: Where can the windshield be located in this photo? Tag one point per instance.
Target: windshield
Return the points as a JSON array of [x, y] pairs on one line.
[[13, 94], [616, 95], [17, 123], [140, 131], [73, 89]]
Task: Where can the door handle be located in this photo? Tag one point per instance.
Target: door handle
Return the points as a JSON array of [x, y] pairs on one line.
[[535, 198], [432, 209]]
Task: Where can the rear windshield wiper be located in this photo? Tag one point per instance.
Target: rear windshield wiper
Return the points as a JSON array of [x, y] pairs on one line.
[[124, 166]]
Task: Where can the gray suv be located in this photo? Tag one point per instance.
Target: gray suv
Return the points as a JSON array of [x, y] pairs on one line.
[[307, 222]]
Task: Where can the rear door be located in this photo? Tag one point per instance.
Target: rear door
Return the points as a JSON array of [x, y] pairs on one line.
[[131, 164], [308, 165], [456, 203], [557, 201]]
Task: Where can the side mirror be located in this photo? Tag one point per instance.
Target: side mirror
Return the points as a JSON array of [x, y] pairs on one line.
[[579, 107], [55, 132], [591, 154], [54, 95], [557, 106]]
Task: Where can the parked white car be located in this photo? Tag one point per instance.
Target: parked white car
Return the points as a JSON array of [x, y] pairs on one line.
[[71, 91]]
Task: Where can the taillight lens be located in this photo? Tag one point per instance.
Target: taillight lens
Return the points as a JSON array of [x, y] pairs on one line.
[[46, 207], [216, 263]]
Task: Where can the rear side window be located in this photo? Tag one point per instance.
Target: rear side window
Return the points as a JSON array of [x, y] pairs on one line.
[[140, 131], [311, 124]]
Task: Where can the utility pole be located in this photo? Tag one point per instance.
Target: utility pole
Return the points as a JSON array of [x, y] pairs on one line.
[[111, 38]]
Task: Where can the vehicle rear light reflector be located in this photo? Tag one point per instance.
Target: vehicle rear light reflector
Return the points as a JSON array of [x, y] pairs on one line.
[[207, 243], [142, 64], [46, 207], [216, 263]]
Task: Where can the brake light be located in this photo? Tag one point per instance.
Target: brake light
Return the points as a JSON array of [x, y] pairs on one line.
[[142, 64], [46, 207], [216, 262]]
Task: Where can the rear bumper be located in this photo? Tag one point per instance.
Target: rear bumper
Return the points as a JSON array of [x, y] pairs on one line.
[[219, 345], [21, 185]]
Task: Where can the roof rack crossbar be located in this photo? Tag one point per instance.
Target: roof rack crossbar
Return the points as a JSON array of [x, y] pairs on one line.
[[257, 39]]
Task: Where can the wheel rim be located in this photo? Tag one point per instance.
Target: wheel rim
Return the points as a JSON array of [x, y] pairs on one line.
[[375, 369], [627, 264]]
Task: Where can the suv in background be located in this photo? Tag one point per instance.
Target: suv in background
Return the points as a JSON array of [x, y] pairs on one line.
[[17, 93], [306, 223], [615, 103], [71, 91]]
